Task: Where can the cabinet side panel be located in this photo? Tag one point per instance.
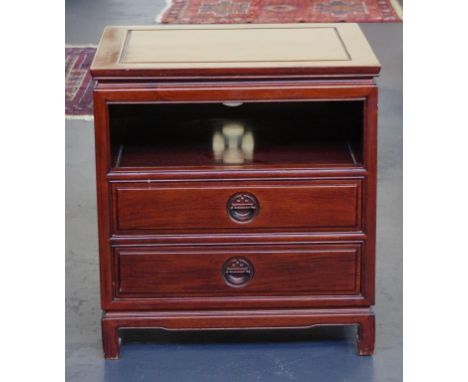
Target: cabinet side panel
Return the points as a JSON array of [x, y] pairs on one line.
[[101, 130], [370, 195]]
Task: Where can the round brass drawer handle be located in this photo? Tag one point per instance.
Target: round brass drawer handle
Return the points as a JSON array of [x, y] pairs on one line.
[[237, 271], [243, 207]]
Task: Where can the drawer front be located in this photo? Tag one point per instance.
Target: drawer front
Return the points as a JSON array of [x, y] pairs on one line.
[[314, 205], [223, 272]]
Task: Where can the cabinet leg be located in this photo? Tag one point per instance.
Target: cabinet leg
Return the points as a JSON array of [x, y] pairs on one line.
[[366, 336], [110, 339]]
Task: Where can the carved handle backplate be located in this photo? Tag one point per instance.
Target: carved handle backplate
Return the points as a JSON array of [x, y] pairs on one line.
[[243, 207], [237, 271]]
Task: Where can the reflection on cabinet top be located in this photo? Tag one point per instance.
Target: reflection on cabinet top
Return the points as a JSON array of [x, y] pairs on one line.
[[225, 50]]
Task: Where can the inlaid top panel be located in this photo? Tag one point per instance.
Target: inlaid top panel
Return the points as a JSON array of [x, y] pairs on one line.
[[192, 50]]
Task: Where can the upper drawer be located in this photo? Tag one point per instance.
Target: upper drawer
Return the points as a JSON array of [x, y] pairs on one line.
[[263, 206]]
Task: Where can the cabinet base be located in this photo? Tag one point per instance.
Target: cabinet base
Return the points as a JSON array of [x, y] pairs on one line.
[[225, 320]]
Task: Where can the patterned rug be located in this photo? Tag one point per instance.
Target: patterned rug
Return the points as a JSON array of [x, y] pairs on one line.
[[78, 82], [79, 85], [279, 11]]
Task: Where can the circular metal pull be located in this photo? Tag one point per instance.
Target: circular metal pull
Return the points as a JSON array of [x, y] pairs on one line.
[[237, 271], [243, 207]]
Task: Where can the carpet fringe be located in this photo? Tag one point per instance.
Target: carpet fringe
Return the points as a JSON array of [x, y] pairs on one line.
[[85, 117], [80, 45], [397, 7], [160, 15]]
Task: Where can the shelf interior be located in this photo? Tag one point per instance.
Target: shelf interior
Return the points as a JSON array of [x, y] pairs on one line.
[[250, 134]]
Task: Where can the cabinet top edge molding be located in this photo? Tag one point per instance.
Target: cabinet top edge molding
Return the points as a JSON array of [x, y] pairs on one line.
[[233, 51]]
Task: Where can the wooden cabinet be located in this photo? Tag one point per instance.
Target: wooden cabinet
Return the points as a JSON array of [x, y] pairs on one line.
[[236, 177]]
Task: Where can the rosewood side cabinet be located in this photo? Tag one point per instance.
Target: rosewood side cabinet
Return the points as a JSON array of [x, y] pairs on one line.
[[236, 178]]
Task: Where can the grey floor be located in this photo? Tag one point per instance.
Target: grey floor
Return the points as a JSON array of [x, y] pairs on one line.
[[325, 354]]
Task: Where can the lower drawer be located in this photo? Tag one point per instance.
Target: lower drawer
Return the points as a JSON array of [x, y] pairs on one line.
[[253, 271]]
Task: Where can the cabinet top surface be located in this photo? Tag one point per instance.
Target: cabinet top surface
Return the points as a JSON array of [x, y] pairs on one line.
[[234, 50]]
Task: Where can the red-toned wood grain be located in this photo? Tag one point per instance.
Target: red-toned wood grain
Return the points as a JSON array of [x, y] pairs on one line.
[[250, 319], [319, 269], [324, 205], [151, 220], [321, 155]]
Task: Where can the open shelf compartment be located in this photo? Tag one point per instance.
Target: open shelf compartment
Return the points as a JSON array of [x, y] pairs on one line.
[[253, 134]]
